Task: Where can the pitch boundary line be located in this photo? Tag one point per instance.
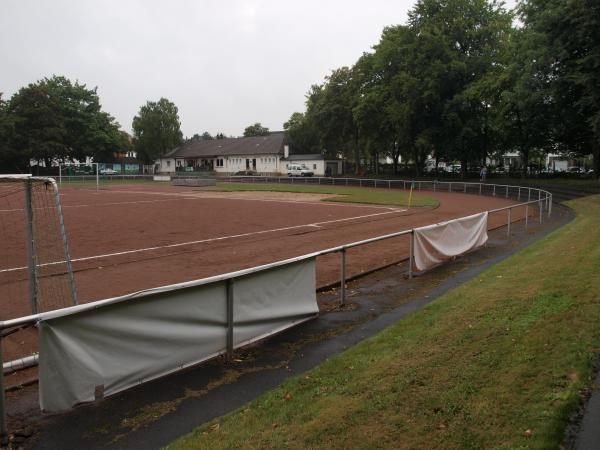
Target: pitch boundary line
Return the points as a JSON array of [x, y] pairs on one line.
[[204, 241]]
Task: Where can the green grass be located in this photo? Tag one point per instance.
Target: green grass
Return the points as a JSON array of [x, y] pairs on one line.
[[106, 182], [497, 363], [344, 194]]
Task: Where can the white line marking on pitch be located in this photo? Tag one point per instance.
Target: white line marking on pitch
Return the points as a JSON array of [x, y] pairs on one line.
[[95, 205], [203, 241]]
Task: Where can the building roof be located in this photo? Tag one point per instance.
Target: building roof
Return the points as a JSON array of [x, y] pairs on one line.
[[256, 145], [305, 157]]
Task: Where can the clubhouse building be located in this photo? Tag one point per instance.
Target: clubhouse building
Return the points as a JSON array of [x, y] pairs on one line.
[[263, 155]]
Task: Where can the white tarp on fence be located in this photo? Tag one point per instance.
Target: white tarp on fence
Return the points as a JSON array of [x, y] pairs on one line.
[[92, 353], [436, 243]]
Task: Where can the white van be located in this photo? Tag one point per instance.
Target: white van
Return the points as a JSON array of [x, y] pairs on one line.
[[297, 170]]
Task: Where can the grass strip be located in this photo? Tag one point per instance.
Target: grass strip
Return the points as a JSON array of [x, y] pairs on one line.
[[498, 362], [344, 194]]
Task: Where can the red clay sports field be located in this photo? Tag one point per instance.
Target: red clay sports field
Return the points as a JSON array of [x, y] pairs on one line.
[[129, 238]]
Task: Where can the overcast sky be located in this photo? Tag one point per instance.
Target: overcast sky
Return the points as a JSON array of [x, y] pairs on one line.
[[225, 64]]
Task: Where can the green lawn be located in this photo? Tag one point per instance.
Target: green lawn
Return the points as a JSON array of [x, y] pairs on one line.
[[345, 194], [498, 363]]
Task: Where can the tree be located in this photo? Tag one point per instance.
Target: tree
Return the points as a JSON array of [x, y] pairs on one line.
[[570, 41], [256, 130], [55, 119], [458, 44], [11, 161], [302, 133], [206, 136], [156, 130], [526, 106]]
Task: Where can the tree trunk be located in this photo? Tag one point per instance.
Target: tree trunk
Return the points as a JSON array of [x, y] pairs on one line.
[[356, 153], [463, 169], [596, 159]]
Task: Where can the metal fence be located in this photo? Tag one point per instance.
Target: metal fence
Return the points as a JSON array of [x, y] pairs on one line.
[[532, 199]]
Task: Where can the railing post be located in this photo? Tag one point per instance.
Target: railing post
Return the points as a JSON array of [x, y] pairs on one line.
[[526, 215], [343, 277], [3, 430], [550, 206], [450, 187], [541, 212], [411, 254], [403, 184], [494, 194], [529, 195], [508, 223], [434, 185], [519, 196], [229, 289], [506, 191], [465, 188], [389, 184], [480, 185]]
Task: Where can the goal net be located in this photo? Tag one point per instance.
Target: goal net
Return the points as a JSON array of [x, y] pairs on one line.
[[80, 175], [35, 271]]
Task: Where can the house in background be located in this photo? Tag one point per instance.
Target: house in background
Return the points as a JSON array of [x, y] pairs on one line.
[[264, 155]]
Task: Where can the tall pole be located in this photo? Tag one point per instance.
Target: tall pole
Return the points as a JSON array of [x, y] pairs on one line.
[[31, 258], [3, 429], [343, 277]]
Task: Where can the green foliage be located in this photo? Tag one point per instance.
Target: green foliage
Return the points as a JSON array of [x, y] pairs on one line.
[[256, 130], [569, 40], [57, 119], [156, 130], [11, 160], [302, 132]]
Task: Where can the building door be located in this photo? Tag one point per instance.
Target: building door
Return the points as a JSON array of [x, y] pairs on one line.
[[254, 164], [247, 164]]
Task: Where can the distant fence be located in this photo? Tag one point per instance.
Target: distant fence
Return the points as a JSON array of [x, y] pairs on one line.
[[100, 348]]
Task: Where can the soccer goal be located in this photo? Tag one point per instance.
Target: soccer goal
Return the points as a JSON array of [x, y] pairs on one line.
[[79, 174], [36, 274]]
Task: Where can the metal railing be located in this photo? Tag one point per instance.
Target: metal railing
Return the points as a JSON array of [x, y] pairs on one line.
[[541, 203]]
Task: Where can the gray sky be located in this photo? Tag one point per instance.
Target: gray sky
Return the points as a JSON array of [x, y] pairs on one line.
[[225, 64]]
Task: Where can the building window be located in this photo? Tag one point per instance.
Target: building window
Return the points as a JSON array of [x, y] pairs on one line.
[[220, 162], [314, 167], [168, 163], [178, 163]]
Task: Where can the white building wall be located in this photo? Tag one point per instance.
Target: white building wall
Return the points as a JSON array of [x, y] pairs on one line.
[[166, 165]]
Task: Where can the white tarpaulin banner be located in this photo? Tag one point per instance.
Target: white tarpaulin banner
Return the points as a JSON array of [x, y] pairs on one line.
[[436, 243], [92, 353]]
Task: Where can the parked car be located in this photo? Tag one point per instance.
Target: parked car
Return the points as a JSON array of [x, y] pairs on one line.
[[297, 170], [574, 169], [108, 172]]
